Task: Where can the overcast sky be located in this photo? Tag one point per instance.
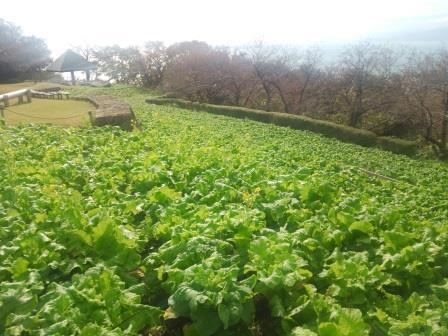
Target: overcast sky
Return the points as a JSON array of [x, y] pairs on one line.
[[230, 22]]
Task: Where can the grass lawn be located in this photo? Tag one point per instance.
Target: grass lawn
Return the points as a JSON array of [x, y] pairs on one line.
[[5, 88], [57, 112]]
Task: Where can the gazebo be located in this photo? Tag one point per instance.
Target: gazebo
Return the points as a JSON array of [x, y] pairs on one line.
[[70, 61]]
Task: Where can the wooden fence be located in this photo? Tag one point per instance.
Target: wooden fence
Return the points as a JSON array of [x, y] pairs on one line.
[[20, 94]]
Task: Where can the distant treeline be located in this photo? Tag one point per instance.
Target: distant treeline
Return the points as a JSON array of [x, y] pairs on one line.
[[21, 57], [392, 93]]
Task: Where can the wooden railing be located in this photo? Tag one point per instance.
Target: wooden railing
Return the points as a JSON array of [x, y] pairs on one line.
[[20, 94]]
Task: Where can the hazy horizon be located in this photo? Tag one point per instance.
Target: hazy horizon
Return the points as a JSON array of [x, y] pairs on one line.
[[235, 23]]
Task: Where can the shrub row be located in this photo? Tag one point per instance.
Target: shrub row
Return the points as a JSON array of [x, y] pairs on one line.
[[399, 146], [329, 129]]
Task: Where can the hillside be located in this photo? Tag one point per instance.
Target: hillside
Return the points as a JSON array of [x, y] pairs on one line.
[[206, 225]]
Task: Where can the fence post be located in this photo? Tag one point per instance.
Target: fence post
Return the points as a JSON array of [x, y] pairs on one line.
[[20, 99], [92, 118], [28, 96], [6, 100], [2, 115]]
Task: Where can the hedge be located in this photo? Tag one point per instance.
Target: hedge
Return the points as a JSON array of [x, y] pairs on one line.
[[398, 146], [329, 129]]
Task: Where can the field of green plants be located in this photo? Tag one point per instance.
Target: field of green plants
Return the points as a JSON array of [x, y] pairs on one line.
[[205, 225]]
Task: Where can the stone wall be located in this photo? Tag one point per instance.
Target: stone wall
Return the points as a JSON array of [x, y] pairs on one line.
[[111, 111]]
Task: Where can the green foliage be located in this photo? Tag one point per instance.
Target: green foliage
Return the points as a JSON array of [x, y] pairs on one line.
[[329, 129], [206, 225]]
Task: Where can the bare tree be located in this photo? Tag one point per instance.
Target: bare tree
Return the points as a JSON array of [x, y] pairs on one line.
[[285, 81], [262, 58], [322, 99], [119, 64], [365, 76], [426, 78], [155, 60], [195, 71], [285, 75], [240, 82], [309, 72]]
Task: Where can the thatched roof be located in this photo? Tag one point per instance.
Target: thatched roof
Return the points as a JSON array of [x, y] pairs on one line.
[[70, 61]]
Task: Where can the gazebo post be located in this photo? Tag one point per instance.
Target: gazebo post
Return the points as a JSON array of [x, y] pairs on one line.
[[73, 77]]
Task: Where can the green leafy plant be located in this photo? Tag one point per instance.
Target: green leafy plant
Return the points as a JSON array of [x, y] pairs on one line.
[[200, 224]]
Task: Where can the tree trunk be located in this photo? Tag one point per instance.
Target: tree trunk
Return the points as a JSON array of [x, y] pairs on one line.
[[268, 92], [266, 88], [444, 135], [357, 112], [354, 118], [249, 96], [302, 94], [237, 93], [73, 77], [282, 97]]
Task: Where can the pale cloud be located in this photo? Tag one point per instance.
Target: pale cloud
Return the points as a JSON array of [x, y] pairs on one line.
[[233, 22]]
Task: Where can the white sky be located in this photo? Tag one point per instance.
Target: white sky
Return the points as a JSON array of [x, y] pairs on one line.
[[232, 22]]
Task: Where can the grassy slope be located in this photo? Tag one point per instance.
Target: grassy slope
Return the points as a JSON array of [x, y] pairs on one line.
[[209, 191]]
